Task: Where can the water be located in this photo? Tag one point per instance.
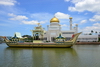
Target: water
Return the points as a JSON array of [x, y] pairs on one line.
[[78, 56]]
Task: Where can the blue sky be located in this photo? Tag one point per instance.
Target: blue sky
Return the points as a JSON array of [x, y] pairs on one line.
[[23, 15]]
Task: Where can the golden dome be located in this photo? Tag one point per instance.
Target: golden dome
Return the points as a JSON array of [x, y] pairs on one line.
[[70, 18], [54, 20]]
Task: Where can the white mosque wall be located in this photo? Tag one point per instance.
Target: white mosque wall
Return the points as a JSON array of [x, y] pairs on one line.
[[81, 38], [87, 38]]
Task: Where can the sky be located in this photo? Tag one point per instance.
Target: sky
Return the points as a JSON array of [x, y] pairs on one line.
[[23, 15]]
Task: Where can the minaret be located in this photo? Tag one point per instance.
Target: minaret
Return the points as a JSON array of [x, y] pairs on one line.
[[76, 28], [70, 22]]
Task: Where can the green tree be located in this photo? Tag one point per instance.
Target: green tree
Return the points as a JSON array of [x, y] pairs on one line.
[[91, 31], [28, 38], [96, 32]]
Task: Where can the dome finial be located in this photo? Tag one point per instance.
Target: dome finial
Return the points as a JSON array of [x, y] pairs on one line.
[[38, 24]]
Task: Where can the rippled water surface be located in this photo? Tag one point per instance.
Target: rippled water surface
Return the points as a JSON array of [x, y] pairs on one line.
[[78, 56]]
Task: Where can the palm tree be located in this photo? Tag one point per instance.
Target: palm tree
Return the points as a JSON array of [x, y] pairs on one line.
[[96, 32], [91, 32]]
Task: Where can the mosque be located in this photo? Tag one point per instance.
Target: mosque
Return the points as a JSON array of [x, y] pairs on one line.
[[54, 29]]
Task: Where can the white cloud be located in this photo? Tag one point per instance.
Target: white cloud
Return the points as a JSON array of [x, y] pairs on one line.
[[41, 16], [95, 18], [76, 1], [97, 24], [74, 24], [8, 2], [67, 0], [85, 13], [83, 21], [11, 14], [64, 25], [94, 27], [33, 22], [62, 15], [23, 20], [17, 17], [83, 5]]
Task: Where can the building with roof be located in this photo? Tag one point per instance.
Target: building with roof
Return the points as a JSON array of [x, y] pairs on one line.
[[54, 29], [17, 35]]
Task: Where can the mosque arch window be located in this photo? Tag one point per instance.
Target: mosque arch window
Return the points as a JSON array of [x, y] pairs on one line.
[[36, 34]]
